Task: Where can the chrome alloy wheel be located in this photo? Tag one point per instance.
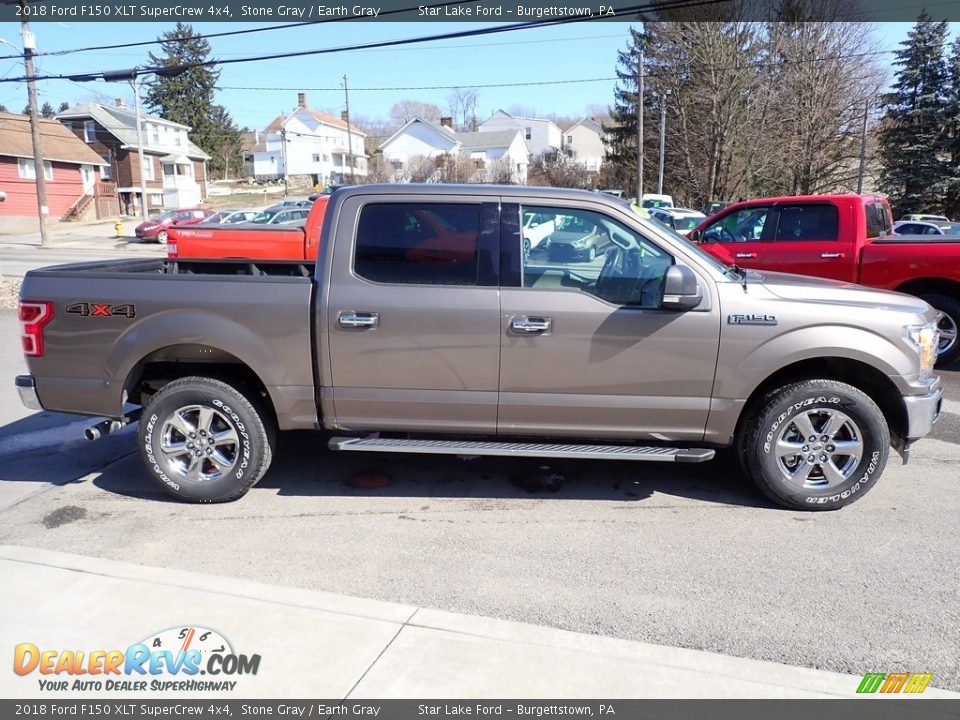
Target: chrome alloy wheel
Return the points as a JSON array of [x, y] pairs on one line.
[[948, 334], [819, 448], [199, 444]]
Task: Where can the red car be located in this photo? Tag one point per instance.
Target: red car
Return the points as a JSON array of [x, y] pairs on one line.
[[155, 229]]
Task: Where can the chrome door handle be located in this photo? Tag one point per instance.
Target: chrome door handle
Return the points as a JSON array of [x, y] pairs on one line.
[[746, 255], [358, 319], [831, 255], [530, 325]]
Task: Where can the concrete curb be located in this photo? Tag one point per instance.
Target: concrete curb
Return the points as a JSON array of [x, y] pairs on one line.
[[391, 650]]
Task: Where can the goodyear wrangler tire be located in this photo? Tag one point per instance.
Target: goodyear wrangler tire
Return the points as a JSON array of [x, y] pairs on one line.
[[202, 440], [814, 445]]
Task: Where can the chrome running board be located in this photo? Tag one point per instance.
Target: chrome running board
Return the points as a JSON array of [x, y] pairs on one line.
[[518, 449]]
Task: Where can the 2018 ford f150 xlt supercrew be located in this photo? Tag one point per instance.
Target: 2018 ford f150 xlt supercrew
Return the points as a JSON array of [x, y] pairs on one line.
[[424, 327]]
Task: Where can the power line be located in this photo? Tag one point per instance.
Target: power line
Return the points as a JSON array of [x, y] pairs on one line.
[[566, 81], [177, 69], [248, 31]]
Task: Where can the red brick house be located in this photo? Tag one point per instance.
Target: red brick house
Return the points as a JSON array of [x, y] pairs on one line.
[[72, 170], [174, 169]]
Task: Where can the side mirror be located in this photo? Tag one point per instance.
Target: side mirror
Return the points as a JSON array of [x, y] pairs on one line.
[[681, 289], [696, 236]]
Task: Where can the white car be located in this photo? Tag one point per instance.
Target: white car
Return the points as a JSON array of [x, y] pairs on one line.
[[683, 220], [920, 217], [537, 227], [653, 200]]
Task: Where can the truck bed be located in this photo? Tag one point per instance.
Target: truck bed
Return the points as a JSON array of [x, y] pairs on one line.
[[914, 239], [136, 313]]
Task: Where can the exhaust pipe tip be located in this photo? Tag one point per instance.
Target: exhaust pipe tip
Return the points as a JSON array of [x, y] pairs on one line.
[[92, 434]]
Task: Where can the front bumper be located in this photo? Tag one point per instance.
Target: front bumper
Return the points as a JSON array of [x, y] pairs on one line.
[[922, 412], [27, 389]]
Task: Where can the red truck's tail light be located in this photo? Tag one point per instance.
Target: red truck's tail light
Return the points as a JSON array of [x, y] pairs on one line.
[[171, 249], [33, 317]]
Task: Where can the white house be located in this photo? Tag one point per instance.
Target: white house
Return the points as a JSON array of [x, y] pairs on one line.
[[310, 143], [479, 157], [543, 137], [583, 144]]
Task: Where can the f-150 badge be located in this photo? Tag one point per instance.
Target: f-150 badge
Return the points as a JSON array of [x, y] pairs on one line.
[[752, 319]]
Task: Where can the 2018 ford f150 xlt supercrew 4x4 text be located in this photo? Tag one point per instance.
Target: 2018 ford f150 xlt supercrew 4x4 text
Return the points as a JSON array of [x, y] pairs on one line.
[[424, 327]]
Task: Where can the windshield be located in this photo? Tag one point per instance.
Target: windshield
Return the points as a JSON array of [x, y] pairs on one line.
[[265, 216], [168, 215], [686, 223], [694, 249]]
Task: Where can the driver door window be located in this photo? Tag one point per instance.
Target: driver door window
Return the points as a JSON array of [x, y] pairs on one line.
[[736, 238], [591, 253]]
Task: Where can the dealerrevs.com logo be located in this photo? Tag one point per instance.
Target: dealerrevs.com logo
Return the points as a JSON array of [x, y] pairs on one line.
[[173, 659]]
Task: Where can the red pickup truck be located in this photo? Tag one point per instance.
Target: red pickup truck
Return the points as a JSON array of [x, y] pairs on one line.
[[249, 240], [845, 237]]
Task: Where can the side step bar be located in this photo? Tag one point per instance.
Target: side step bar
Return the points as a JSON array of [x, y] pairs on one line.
[[517, 449]]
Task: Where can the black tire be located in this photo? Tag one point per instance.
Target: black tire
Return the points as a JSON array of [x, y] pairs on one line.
[[950, 307], [591, 254], [816, 485], [229, 464], [526, 249]]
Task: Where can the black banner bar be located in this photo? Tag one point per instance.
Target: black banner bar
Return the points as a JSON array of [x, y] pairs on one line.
[[493, 11]]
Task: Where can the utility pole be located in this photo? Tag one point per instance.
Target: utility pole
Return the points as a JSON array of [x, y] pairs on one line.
[[135, 84], [29, 44], [283, 151], [346, 97], [663, 133], [640, 125], [863, 148]]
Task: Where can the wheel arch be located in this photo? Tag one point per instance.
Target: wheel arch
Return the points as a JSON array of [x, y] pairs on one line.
[[866, 378], [921, 286]]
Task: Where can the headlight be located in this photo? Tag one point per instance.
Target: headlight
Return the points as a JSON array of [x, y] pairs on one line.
[[580, 242], [925, 338]]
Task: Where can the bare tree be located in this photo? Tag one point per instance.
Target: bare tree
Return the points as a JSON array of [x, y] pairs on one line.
[[463, 107], [404, 111]]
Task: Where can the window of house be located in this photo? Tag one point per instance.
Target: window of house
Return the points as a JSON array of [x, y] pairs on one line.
[[569, 139], [179, 137], [27, 171], [576, 250], [89, 131], [528, 133], [155, 134], [316, 157], [418, 243], [106, 171], [148, 168]]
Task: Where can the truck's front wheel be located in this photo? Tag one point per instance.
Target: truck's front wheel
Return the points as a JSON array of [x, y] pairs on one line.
[[203, 440], [814, 445]]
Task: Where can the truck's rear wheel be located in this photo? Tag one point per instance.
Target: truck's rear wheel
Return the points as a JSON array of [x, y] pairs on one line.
[[203, 440], [814, 445], [949, 349]]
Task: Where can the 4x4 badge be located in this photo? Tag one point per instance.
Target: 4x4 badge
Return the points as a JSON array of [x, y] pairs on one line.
[[752, 319]]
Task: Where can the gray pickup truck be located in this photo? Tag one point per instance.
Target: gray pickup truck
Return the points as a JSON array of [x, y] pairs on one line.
[[425, 327]]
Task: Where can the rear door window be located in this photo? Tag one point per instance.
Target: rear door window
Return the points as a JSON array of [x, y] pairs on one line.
[[808, 222], [418, 243], [878, 220]]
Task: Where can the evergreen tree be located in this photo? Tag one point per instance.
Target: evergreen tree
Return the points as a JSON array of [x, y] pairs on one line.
[[64, 106], [952, 133], [47, 110], [912, 138], [622, 132], [3, 108], [186, 96]]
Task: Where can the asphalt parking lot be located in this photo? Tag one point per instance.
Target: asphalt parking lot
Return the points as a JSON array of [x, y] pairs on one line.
[[679, 555]]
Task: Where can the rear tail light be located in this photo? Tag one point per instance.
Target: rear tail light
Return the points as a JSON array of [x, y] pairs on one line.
[[33, 317], [171, 249]]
